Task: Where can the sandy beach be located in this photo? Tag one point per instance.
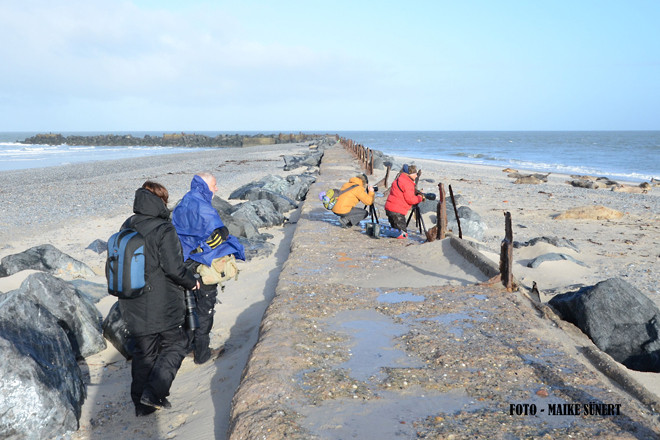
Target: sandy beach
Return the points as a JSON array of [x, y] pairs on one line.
[[71, 206]]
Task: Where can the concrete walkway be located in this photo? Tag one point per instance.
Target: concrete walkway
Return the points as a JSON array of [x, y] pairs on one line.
[[382, 338]]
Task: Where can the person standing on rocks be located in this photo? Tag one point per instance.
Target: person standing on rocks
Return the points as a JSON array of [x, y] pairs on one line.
[[204, 238], [353, 192], [155, 319], [403, 195]]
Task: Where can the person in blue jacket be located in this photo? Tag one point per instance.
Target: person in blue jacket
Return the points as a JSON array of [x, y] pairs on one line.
[[204, 237]]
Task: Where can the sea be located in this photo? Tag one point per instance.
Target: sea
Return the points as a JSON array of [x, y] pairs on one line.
[[632, 156]]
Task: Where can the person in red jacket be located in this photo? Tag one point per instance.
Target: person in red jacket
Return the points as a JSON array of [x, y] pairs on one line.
[[402, 197]]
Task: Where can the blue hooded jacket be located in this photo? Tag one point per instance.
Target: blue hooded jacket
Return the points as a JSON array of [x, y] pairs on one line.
[[195, 219]]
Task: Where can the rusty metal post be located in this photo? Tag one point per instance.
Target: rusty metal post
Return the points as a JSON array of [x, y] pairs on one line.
[[458, 220], [441, 214], [506, 254]]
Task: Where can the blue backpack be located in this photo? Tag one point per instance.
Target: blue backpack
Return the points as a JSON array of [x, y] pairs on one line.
[[124, 266]]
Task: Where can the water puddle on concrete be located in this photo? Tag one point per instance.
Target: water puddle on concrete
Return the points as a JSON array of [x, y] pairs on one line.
[[390, 416], [399, 297], [373, 346]]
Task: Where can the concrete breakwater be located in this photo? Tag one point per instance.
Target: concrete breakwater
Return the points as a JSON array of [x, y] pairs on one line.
[[386, 338], [171, 140]]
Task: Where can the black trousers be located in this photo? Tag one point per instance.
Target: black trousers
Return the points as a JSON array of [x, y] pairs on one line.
[[397, 220], [206, 298], [156, 360], [354, 216]]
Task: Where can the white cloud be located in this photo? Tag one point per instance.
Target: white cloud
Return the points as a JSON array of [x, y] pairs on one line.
[[106, 50]]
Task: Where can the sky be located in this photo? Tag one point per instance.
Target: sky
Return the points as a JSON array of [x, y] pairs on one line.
[[289, 65]]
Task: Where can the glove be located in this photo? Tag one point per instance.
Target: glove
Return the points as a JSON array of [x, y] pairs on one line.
[[214, 240]]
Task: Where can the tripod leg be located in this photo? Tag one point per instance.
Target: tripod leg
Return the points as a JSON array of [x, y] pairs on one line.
[[410, 216]]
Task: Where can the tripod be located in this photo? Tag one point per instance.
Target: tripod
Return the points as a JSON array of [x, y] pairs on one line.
[[419, 221], [373, 212], [373, 228]]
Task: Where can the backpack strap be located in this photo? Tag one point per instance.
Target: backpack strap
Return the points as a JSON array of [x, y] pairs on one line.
[[347, 189]]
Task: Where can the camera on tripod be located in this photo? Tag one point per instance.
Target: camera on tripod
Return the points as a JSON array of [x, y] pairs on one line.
[[427, 196], [192, 320]]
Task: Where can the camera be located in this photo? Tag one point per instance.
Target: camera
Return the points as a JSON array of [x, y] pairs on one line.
[[375, 189], [429, 196], [192, 321]]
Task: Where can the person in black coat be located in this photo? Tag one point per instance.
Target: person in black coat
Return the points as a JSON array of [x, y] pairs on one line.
[[156, 318]]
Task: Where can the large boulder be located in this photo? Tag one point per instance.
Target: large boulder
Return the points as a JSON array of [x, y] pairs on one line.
[[471, 223], [75, 312], [223, 207], [294, 187], [260, 213], [256, 248], [281, 202], [619, 318], [312, 159], [46, 258], [41, 384]]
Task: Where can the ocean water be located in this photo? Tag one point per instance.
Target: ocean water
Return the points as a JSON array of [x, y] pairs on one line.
[[619, 155], [623, 155]]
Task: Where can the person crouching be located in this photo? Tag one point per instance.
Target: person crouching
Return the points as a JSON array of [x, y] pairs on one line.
[[402, 197], [353, 192]]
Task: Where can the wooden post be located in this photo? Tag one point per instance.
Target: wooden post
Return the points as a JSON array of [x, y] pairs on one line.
[[441, 214], [387, 175], [371, 162], [458, 220], [506, 254]]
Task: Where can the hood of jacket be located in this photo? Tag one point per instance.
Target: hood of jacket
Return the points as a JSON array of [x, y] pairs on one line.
[[149, 204], [356, 181], [199, 186]]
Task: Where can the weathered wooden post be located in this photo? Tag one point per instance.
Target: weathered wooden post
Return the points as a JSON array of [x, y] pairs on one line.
[[387, 175], [506, 254], [441, 213], [371, 162], [458, 220]]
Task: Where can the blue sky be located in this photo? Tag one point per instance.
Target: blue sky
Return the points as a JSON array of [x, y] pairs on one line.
[[343, 65]]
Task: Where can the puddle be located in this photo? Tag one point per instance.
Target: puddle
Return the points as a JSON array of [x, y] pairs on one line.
[[372, 347], [392, 415], [399, 297], [449, 318]]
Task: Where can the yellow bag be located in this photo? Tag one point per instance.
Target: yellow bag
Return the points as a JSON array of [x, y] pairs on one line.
[[221, 269]]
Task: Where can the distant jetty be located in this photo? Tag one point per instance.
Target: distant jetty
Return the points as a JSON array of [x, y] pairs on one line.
[[171, 140]]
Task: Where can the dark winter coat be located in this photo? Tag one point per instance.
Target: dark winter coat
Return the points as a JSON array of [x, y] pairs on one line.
[[162, 306]]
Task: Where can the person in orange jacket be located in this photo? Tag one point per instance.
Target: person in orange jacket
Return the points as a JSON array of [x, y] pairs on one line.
[[353, 193], [402, 197]]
